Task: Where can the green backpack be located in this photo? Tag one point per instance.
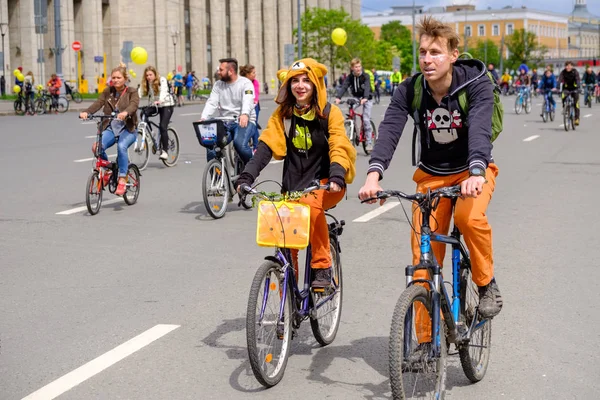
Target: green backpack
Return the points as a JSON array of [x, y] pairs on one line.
[[463, 101]]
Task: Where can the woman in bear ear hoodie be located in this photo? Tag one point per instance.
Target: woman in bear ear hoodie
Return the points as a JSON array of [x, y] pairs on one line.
[[308, 134]]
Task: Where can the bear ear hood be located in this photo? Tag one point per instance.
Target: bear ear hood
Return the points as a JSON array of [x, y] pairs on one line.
[[315, 72]]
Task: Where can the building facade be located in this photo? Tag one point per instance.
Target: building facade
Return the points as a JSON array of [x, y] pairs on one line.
[[186, 35], [584, 31]]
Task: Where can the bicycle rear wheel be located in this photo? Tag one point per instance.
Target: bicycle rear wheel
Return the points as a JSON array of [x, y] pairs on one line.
[[215, 189], [139, 153], [268, 337], [62, 104], [373, 139], [133, 185], [172, 149], [19, 106], [40, 106], [414, 373], [76, 96], [327, 306], [93, 193], [474, 355]]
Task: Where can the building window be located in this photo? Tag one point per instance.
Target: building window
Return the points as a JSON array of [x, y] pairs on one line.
[[509, 29], [481, 30], [495, 30], [468, 31]]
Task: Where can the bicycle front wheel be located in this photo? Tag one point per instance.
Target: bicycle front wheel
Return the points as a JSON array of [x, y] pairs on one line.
[[474, 355], [349, 128], [215, 189], [414, 372], [545, 114], [93, 193], [172, 149], [133, 185], [139, 153], [268, 334], [566, 117], [528, 101], [519, 105], [19, 107], [62, 104], [327, 306]]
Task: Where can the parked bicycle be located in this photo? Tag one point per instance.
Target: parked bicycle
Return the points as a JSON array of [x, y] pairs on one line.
[[72, 94], [587, 95], [139, 152], [277, 305], [45, 103], [547, 108], [355, 127], [23, 104], [105, 174], [523, 100], [569, 110], [218, 181], [418, 370]]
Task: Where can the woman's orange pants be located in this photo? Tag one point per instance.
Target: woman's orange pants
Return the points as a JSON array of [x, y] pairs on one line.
[[470, 218]]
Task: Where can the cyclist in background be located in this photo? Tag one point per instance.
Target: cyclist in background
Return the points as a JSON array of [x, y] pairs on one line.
[[28, 84], [505, 81], [54, 85], [124, 101], [314, 147], [360, 87], [233, 96], [155, 88], [589, 79], [546, 85], [570, 81], [179, 83], [395, 79], [534, 79], [249, 71], [451, 153]]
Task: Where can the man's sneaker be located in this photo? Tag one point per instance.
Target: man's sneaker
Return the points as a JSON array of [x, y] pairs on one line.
[[164, 155], [321, 278], [577, 122], [369, 146], [490, 300]]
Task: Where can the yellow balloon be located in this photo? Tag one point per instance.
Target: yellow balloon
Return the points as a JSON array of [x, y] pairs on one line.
[[139, 55], [339, 36], [133, 74], [169, 76], [16, 72], [40, 87], [20, 77], [17, 89]]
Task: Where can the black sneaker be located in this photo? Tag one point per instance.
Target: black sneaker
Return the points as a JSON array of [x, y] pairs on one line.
[[321, 278], [490, 300]]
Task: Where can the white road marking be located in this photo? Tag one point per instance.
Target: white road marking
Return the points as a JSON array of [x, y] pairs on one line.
[[90, 137], [530, 138], [561, 125], [90, 159], [99, 364], [276, 161], [378, 211], [88, 122], [186, 115], [587, 115], [84, 208]]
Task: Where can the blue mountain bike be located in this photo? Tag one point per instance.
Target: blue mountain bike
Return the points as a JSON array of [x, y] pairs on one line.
[[547, 108], [523, 100], [417, 363]]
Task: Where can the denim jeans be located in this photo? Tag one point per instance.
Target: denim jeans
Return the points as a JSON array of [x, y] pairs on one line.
[[241, 137], [367, 107], [125, 139]]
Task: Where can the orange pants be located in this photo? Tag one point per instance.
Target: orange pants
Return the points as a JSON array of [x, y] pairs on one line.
[[319, 201], [470, 218]]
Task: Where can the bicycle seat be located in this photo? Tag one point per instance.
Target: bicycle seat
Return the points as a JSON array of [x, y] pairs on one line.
[[331, 208]]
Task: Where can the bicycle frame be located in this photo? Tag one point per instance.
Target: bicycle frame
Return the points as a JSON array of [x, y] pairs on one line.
[[147, 131], [350, 116]]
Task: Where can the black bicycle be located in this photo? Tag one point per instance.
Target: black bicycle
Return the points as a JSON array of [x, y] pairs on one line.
[[426, 319], [569, 110], [145, 140]]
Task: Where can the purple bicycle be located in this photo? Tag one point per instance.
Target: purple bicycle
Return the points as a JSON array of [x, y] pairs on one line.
[[276, 304]]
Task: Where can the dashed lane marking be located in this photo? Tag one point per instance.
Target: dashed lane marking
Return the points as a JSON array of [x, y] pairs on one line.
[[530, 138], [378, 211], [84, 208]]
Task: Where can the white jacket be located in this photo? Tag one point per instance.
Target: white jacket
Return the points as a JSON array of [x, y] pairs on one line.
[[165, 98]]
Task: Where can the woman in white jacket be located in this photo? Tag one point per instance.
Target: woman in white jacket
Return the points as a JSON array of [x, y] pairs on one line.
[[156, 89]]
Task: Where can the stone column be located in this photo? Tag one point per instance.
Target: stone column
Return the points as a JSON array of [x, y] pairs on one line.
[[270, 34], [335, 4], [238, 30], [355, 9], [198, 38], [162, 55], [7, 39], [312, 3], [22, 31], [91, 32], [285, 29], [218, 32], [347, 6], [324, 4], [67, 28], [255, 40]]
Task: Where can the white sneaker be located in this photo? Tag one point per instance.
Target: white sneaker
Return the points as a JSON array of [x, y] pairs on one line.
[[164, 155]]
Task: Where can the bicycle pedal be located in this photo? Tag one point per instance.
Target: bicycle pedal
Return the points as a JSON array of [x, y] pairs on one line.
[[318, 290]]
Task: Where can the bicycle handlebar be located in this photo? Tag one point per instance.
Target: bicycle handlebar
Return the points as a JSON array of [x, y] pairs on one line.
[[246, 189], [113, 115], [448, 191]]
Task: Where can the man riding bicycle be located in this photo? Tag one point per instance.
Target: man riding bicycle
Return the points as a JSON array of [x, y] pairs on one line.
[[570, 81], [233, 96], [546, 85], [360, 87], [589, 79], [455, 148]]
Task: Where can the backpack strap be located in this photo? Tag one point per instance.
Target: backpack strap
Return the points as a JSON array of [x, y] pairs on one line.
[[414, 95]]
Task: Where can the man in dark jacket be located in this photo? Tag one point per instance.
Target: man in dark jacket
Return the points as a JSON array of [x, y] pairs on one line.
[[455, 148], [570, 81], [360, 87]]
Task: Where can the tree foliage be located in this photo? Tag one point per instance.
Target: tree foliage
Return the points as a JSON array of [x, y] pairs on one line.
[[399, 37], [489, 55], [317, 25], [524, 49]]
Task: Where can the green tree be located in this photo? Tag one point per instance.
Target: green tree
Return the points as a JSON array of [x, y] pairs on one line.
[[524, 49], [399, 36], [486, 51], [317, 25]]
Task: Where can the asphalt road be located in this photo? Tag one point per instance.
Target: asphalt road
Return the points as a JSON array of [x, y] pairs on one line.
[[156, 293]]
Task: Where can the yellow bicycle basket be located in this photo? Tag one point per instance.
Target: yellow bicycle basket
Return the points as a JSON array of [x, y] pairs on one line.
[[283, 224]]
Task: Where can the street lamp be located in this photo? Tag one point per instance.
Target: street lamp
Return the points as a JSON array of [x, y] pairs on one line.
[[3, 31], [174, 36]]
